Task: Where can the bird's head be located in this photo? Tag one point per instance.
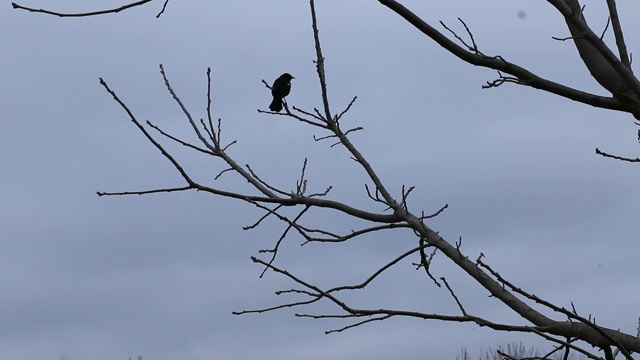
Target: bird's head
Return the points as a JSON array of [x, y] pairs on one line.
[[287, 76]]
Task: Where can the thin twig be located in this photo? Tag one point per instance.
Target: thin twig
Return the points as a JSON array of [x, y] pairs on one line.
[[91, 13], [320, 62], [144, 192], [599, 152], [617, 31]]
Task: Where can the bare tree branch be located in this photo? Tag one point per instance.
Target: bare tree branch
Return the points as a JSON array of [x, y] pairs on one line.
[[622, 158], [565, 333], [91, 13], [524, 76], [603, 65], [619, 36]]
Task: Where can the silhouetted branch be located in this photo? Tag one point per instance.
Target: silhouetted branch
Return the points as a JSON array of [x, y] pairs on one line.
[[525, 77], [600, 152], [424, 240], [91, 13]]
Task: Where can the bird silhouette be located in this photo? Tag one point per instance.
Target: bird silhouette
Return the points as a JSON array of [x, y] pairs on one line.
[[280, 90]]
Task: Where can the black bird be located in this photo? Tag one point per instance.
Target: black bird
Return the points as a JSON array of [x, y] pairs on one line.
[[280, 90]]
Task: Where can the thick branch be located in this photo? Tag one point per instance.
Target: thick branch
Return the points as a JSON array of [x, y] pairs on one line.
[[601, 62], [500, 64]]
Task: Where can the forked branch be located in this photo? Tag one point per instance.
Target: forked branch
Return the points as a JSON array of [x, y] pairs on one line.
[[421, 241], [472, 55]]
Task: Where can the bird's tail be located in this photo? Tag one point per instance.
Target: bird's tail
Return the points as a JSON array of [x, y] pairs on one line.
[[276, 104]]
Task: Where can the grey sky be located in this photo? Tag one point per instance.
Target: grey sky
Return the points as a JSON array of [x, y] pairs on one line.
[[158, 276]]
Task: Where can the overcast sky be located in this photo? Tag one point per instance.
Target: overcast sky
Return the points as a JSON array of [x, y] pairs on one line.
[[106, 278]]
